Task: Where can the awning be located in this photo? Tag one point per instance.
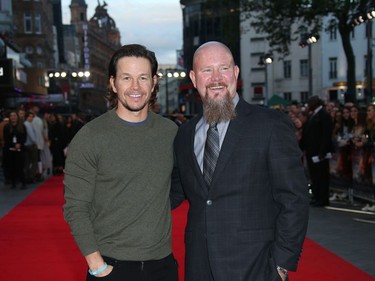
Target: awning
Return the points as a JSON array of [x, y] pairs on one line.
[[277, 100]]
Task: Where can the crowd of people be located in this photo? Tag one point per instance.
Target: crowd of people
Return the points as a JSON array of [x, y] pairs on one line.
[[353, 137], [34, 144], [38, 142]]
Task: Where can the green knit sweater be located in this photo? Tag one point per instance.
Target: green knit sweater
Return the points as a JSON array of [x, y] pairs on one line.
[[117, 182]]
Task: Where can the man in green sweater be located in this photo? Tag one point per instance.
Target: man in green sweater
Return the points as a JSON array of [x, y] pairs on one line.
[[118, 175]]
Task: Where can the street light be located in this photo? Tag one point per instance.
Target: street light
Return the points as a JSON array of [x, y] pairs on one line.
[[70, 80], [365, 14], [308, 41], [170, 73], [265, 60]]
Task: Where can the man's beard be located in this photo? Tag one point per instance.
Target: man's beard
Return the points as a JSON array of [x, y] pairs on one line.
[[216, 111]]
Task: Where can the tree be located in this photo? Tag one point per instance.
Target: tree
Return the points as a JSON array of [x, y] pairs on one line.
[[276, 18]]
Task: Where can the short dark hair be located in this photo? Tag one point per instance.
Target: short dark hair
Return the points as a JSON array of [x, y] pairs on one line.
[[131, 50], [314, 102], [28, 113]]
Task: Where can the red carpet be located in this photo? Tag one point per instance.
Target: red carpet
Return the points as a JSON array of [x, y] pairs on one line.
[[36, 245]]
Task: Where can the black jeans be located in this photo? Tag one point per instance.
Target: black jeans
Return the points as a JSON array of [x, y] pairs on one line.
[[165, 269]]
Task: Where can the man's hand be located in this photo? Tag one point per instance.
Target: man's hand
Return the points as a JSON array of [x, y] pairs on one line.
[[105, 272], [283, 276], [283, 273], [95, 261]]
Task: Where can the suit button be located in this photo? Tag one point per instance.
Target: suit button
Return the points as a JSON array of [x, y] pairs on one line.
[[209, 202]]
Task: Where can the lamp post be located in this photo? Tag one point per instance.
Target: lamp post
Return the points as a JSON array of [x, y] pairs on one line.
[[366, 13], [170, 73], [369, 59], [68, 76], [308, 41], [265, 60]]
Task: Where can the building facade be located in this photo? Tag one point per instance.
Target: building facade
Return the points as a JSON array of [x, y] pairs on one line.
[[293, 78], [98, 39], [33, 22], [43, 59]]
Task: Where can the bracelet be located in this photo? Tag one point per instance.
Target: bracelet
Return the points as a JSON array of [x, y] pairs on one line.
[[283, 270], [100, 270]]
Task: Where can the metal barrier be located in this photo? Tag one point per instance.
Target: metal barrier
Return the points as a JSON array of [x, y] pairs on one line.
[[352, 170]]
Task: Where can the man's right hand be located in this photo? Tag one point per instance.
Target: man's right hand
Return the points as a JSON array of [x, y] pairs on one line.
[[105, 272]]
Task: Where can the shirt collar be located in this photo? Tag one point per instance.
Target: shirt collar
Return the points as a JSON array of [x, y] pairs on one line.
[[317, 109]]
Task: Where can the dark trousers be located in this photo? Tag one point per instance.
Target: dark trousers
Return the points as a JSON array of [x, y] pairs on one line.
[[31, 162], [320, 177], [155, 270], [14, 167]]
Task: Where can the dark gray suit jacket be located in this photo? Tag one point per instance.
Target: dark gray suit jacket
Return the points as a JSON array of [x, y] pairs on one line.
[[254, 216]]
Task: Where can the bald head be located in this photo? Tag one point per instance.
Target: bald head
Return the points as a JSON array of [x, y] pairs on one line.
[[212, 47]]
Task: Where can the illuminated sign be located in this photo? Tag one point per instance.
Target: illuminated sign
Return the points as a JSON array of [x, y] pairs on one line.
[[86, 50], [7, 74]]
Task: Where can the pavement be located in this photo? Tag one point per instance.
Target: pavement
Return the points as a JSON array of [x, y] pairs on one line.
[[341, 228]]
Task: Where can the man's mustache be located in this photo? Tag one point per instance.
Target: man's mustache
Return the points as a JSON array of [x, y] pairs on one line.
[[216, 84]]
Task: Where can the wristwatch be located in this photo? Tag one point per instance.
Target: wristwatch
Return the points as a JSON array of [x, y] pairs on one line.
[[283, 270]]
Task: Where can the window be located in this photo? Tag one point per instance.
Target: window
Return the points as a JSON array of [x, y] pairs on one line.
[[332, 68], [333, 95], [303, 33], [27, 22], [38, 24], [287, 69], [304, 96], [288, 96], [41, 81], [333, 33], [29, 50], [304, 68], [258, 90], [39, 50]]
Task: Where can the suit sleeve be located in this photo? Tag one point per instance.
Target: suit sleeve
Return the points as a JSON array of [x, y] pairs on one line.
[[327, 128], [177, 195], [290, 192]]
